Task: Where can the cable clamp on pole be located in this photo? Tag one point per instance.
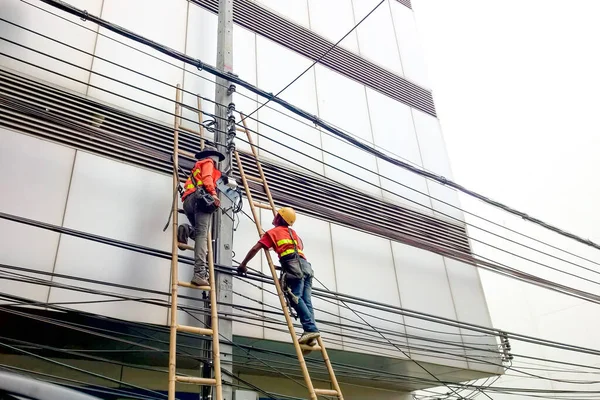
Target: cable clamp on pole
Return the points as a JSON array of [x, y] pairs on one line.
[[231, 89]]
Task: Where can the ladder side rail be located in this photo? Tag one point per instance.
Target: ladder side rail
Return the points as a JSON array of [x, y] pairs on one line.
[[174, 253], [282, 301], [214, 317], [332, 377], [258, 164], [214, 321]]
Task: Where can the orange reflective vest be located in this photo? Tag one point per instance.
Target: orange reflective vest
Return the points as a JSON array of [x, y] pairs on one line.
[[283, 243], [204, 174]]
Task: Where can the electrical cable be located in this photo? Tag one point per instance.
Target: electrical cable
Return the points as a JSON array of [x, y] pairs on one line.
[[96, 375], [317, 291], [165, 306], [187, 309], [231, 77], [131, 366], [62, 324], [60, 381], [316, 61], [546, 284], [530, 260], [394, 345], [113, 390], [296, 119], [208, 80], [307, 143]]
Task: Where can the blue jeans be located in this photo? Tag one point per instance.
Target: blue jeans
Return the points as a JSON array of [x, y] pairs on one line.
[[302, 289]]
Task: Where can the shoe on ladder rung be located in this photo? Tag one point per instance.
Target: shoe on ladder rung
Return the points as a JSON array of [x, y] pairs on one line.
[[183, 246]]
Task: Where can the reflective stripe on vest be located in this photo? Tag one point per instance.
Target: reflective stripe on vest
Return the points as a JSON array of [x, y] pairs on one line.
[[189, 186], [286, 241], [290, 251], [282, 242]]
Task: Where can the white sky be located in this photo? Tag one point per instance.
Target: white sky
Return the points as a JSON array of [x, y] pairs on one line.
[[517, 85]]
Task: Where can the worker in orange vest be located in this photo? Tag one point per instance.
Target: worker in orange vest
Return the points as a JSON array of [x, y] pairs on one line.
[[298, 271], [200, 200]]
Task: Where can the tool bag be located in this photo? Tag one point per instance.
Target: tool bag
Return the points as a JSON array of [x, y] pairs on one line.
[[298, 267], [204, 201], [293, 269]]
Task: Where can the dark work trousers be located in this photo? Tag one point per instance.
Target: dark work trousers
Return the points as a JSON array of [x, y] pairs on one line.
[[200, 222], [302, 289]]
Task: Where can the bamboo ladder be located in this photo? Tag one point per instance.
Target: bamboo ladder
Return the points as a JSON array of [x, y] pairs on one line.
[[175, 283], [336, 391]]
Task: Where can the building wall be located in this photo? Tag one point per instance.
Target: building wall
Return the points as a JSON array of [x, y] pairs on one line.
[[105, 197]]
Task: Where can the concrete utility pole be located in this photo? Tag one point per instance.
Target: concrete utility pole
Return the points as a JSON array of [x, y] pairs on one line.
[[223, 223]]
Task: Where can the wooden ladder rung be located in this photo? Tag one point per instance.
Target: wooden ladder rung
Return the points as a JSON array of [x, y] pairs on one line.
[[185, 128], [195, 380], [261, 205], [191, 286], [327, 392], [193, 329], [183, 246], [254, 179], [187, 153], [316, 347]]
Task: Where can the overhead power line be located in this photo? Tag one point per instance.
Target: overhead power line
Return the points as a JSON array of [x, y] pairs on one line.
[[480, 263], [317, 292], [108, 334], [306, 155], [532, 376], [390, 342], [314, 119], [317, 60], [471, 386]]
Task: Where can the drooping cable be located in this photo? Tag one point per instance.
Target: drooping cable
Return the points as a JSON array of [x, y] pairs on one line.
[[487, 244], [316, 61], [317, 121]]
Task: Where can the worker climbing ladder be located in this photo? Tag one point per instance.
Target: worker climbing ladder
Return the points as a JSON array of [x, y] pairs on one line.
[[213, 331], [300, 348]]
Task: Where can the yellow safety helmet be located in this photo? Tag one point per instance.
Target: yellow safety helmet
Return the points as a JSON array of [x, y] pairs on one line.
[[288, 214]]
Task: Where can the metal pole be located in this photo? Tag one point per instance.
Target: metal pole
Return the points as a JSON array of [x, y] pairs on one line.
[[223, 225]]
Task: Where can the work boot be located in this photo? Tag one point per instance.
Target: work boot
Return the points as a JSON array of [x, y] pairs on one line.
[[307, 337], [198, 280], [183, 233]]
